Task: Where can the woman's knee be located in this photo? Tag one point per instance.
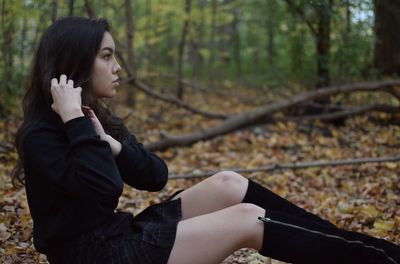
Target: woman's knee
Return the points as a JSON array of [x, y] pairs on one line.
[[252, 227], [229, 180], [237, 224], [249, 210]]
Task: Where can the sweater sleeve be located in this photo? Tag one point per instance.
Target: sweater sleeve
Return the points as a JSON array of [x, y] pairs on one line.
[[140, 168], [79, 164]]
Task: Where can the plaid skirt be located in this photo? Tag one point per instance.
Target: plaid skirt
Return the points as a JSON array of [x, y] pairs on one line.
[[145, 238]]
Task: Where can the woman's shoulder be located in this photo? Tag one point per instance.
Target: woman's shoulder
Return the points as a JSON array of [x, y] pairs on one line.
[[37, 138], [38, 130], [39, 127]]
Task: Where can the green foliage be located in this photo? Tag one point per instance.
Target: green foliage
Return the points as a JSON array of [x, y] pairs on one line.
[[259, 43]]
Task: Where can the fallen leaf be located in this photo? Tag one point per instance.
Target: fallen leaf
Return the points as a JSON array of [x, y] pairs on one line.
[[382, 225], [4, 235]]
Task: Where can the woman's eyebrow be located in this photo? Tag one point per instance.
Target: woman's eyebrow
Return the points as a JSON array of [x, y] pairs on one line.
[[108, 48]]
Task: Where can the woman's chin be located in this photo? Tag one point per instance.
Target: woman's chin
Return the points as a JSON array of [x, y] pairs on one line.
[[111, 94]]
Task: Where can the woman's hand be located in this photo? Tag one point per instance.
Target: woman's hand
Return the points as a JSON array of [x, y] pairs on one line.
[[96, 123], [114, 144], [67, 100]]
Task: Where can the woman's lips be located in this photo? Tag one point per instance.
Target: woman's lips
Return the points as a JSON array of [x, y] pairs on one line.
[[116, 82]]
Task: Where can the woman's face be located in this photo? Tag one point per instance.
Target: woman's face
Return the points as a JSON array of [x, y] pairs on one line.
[[105, 70]]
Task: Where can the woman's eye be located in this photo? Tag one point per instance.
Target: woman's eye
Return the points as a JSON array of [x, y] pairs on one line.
[[107, 57]]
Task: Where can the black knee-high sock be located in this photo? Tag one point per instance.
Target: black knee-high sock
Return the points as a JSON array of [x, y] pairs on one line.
[[292, 239], [261, 196]]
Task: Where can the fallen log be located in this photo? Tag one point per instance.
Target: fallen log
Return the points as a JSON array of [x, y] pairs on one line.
[[292, 166], [344, 113], [173, 100], [249, 118]]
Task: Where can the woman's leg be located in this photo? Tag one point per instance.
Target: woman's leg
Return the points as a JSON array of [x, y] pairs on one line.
[[292, 239], [261, 196], [228, 188], [290, 213], [219, 191], [292, 235], [210, 238]]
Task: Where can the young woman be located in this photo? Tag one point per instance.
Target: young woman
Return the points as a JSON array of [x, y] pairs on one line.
[[76, 156]]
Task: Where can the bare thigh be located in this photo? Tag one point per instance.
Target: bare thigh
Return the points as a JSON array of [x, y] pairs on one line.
[[210, 238], [219, 191]]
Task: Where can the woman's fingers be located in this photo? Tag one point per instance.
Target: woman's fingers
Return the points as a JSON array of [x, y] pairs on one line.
[[85, 109], [96, 124], [93, 116], [66, 99], [54, 82], [92, 113], [63, 79]]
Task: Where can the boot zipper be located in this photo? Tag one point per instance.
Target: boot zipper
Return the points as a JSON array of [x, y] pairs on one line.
[[268, 219]]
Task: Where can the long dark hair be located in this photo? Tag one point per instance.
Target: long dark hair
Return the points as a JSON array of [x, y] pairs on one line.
[[69, 46]]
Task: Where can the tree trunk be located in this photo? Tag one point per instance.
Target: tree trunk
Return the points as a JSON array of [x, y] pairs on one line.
[[130, 64], [181, 49], [7, 33], [23, 41], [196, 43], [54, 7], [236, 39], [323, 43], [70, 7], [226, 34], [270, 25], [348, 16], [296, 46], [22, 51], [344, 62], [146, 37], [171, 43], [387, 43], [211, 59], [321, 36], [89, 9], [255, 54]]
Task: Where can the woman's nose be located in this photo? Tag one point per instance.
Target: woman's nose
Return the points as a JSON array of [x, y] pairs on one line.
[[117, 67]]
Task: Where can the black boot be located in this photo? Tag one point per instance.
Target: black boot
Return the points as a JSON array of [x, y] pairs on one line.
[[295, 240], [261, 196]]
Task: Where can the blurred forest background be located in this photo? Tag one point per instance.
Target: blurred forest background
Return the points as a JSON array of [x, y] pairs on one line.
[[183, 46], [242, 84]]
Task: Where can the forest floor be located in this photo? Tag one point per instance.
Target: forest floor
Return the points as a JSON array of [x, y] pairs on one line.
[[363, 198]]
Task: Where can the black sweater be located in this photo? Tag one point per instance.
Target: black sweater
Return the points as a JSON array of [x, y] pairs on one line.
[[73, 182]]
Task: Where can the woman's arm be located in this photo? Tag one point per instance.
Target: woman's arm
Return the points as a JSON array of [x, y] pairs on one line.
[[114, 144], [140, 168], [78, 163]]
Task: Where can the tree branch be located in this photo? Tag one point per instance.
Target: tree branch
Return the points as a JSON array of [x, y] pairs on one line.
[[344, 113], [172, 99], [293, 166], [252, 117], [300, 12], [394, 92]]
